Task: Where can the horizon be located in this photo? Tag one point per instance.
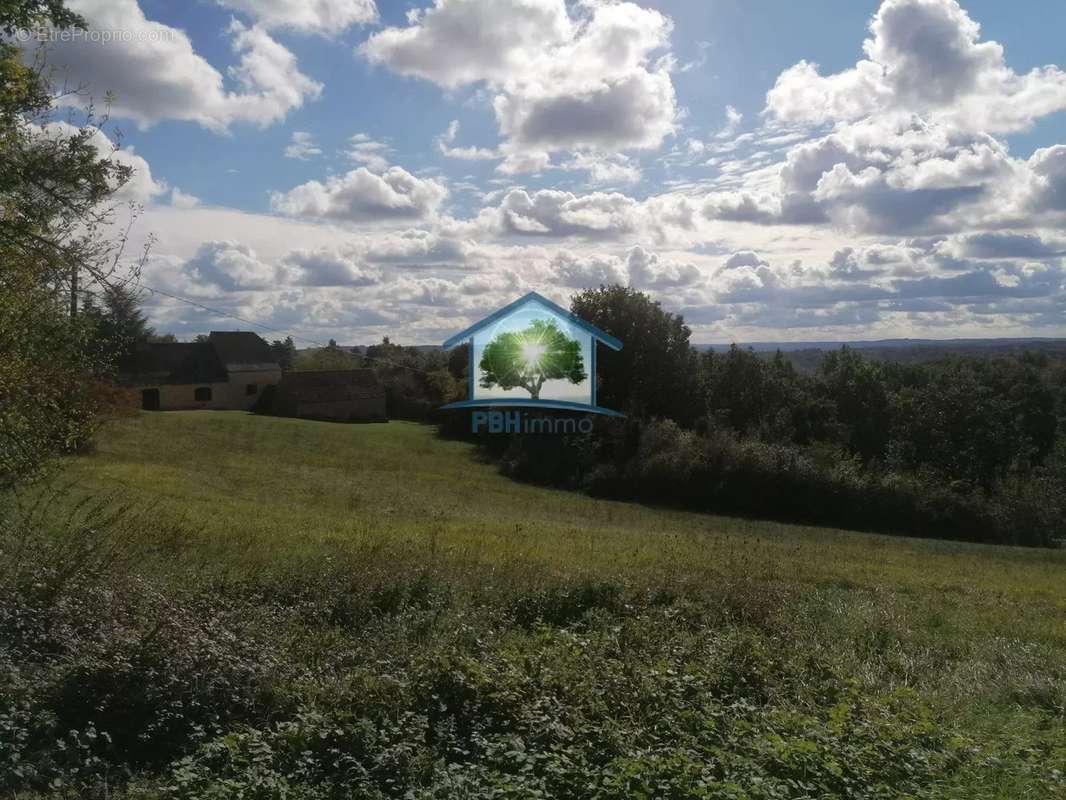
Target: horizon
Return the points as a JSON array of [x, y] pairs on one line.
[[784, 342]]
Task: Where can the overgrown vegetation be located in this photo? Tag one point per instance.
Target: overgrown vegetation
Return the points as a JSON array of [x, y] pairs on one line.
[[56, 193], [445, 637]]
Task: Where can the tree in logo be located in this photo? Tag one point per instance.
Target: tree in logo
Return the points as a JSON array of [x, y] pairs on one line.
[[528, 358]]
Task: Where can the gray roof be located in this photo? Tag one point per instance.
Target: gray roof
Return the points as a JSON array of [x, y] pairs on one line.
[[174, 363], [242, 351], [182, 363]]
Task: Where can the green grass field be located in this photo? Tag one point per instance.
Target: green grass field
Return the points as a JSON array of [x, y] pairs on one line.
[[854, 665], [270, 488]]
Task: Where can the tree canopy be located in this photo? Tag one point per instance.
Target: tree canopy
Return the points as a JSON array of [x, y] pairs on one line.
[[656, 374], [56, 189], [118, 324]]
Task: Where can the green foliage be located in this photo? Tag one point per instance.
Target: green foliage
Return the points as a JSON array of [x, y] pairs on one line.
[[459, 362], [284, 352], [18, 15], [974, 420], [541, 716], [767, 400], [47, 406], [527, 359], [54, 193], [656, 374], [857, 389], [720, 473], [293, 657], [118, 325], [326, 358], [417, 380]]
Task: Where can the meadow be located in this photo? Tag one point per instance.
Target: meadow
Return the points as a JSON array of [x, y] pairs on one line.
[[213, 604]]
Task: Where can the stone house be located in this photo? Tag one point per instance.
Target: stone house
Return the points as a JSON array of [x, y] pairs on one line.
[[229, 370]]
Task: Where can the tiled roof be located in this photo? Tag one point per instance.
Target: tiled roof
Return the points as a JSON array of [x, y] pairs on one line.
[[242, 350], [180, 363], [174, 363]]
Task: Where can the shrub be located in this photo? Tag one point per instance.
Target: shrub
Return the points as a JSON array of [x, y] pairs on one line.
[[717, 472]]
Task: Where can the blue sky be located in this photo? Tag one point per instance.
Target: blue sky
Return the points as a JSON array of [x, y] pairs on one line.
[[345, 169], [745, 45]]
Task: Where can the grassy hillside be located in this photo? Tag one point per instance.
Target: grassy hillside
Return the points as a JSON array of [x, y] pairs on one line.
[[302, 609], [262, 488]]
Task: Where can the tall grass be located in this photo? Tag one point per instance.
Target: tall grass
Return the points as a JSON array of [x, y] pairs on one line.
[[277, 612]]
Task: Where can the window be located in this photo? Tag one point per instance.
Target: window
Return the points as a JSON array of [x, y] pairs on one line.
[[252, 388], [203, 394]]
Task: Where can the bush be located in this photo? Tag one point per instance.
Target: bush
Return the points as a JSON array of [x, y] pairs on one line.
[[658, 462]]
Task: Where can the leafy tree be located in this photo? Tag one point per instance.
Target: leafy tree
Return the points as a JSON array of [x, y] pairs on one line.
[[119, 325], [858, 389], [974, 420], [418, 380], [55, 194], [18, 15], [735, 383], [528, 359], [459, 362], [442, 387], [656, 374], [1057, 384], [284, 352], [326, 358], [766, 398], [386, 354]]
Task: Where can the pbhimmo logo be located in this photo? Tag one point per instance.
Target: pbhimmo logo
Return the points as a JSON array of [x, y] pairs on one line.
[[533, 354]]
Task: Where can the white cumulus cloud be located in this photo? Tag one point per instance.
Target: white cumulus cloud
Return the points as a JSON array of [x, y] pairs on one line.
[[157, 74], [559, 82], [361, 195], [923, 56], [324, 17], [302, 146]]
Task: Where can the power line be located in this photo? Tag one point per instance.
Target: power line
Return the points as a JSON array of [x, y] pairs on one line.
[[229, 315]]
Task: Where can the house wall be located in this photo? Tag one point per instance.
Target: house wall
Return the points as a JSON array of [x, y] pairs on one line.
[[232, 395]]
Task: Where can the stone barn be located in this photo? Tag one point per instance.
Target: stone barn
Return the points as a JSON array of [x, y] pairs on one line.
[[349, 395], [228, 370]]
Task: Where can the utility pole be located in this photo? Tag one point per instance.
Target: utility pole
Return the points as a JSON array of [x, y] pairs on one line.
[[73, 292]]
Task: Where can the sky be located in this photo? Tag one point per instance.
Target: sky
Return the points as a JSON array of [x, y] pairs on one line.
[[772, 170]]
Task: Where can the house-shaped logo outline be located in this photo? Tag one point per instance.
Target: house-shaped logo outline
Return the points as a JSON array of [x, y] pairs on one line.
[[562, 314]]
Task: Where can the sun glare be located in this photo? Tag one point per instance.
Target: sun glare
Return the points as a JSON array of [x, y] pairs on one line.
[[532, 352]]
